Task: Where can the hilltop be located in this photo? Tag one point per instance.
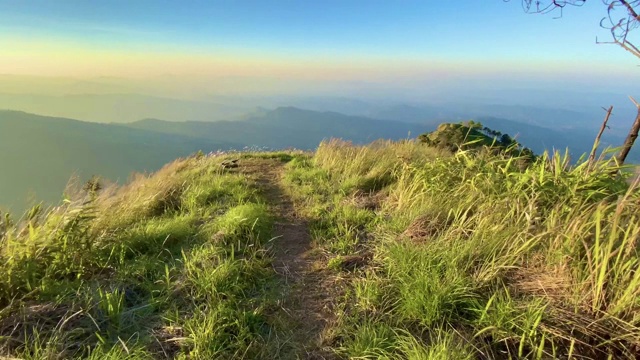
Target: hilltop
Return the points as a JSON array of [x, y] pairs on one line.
[[43, 151], [39, 153], [396, 250]]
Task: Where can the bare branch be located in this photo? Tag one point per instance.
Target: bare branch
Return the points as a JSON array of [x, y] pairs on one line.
[[631, 137], [596, 143], [621, 19], [630, 8]]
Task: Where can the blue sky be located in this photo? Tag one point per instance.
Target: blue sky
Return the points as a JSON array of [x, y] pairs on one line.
[[489, 33]]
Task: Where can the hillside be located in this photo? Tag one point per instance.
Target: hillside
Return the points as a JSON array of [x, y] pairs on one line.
[[43, 152], [392, 250], [119, 108], [537, 128], [39, 154], [472, 136], [288, 127]]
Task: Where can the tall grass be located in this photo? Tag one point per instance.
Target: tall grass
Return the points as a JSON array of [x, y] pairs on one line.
[[167, 266], [447, 256], [493, 258]]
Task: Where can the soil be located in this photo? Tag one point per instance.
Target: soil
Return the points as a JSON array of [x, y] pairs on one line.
[[309, 289]]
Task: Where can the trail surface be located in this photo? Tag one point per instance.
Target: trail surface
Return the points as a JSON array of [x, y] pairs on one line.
[[306, 296]]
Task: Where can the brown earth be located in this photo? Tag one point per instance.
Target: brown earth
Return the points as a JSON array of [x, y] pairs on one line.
[[308, 288]]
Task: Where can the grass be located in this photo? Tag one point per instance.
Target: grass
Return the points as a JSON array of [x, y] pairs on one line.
[[474, 255], [466, 255], [172, 265]]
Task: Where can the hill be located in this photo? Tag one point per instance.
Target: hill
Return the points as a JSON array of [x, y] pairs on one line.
[[288, 127], [120, 108], [394, 250], [535, 127], [39, 154], [475, 136]]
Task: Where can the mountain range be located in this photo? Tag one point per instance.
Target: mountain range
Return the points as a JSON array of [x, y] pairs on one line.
[[38, 154], [120, 108]]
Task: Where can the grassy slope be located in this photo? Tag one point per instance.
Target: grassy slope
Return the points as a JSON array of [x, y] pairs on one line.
[[465, 257], [172, 265], [435, 256]]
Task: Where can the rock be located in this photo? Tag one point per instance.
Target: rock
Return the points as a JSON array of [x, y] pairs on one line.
[[229, 164]]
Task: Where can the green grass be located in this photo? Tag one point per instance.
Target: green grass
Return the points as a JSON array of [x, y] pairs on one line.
[[436, 255], [474, 255], [172, 265]]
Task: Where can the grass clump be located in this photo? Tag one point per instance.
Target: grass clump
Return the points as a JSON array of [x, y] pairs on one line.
[[475, 255], [245, 221]]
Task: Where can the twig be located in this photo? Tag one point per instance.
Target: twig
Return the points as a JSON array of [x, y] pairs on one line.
[[592, 156]]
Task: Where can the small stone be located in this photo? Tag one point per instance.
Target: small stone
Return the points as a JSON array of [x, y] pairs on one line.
[[229, 164]]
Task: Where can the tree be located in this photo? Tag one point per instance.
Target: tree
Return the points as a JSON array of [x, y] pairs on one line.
[[506, 140], [622, 17]]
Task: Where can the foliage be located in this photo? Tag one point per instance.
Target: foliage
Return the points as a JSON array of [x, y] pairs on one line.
[[473, 135]]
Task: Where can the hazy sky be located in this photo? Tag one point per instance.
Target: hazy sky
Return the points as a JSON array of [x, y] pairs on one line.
[[70, 36], [328, 39]]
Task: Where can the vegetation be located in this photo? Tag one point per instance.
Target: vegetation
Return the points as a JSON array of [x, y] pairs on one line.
[[170, 266], [469, 256], [42, 152], [420, 252], [473, 135]]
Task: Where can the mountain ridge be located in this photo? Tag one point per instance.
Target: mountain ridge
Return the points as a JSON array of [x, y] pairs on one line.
[[39, 153], [289, 126], [43, 151]]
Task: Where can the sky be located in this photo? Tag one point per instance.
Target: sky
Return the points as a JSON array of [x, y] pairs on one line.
[[329, 40]]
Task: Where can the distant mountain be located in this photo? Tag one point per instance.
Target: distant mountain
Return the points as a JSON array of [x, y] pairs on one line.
[[535, 127], [538, 138], [288, 127], [39, 154], [342, 105], [119, 108], [554, 118]]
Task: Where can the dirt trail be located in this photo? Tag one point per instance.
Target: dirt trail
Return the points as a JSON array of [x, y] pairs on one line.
[[307, 293]]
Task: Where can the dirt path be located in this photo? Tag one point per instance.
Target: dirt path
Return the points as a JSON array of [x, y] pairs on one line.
[[306, 296]]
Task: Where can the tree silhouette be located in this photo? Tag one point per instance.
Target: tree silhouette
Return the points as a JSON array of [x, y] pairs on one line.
[[621, 17]]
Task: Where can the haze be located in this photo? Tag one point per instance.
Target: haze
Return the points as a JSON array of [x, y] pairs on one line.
[[416, 62], [285, 46]]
